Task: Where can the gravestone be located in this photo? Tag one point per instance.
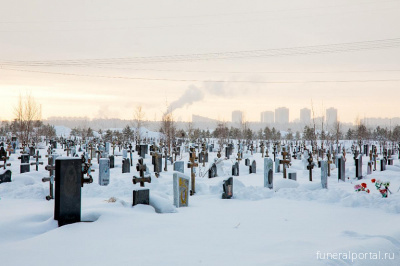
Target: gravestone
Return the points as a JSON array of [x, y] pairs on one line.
[[32, 151], [69, 180], [112, 161], [25, 166], [179, 166], [277, 165], [104, 172], [143, 150], [181, 190], [292, 176], [228, 151], [253, 168], [324, 174], [157, 164], [247, 162], [203, 155], [390, 161], [126, 166], [341, 169], [369, 168], [5, 176], [228, 188], [212, 172], [235, 169], [141, 196], [359, 167], [107, 147], [383, 164], [124, 153], [268, 173]]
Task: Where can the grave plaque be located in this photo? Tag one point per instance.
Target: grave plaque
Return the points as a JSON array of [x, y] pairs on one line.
[[253, 168], [112, 160], [324, 174], [277, 165], [25, 165], [228, 188], [235, 169], [268, 173], [341, 169], [292, 176], [32, 151], [126, 166], [181, 190], [67, 205], [104, 172], [212, 172], [179, 166], [141, 196], [383, 164], [5, 176], [359, 167]]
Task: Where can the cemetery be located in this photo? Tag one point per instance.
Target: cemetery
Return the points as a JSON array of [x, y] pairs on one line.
[[76, 188], [199, 133]]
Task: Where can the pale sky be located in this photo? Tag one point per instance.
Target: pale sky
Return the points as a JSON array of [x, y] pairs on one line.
[[77, 30]]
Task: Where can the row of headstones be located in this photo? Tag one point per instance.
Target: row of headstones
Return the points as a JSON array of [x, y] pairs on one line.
[[69, 180]]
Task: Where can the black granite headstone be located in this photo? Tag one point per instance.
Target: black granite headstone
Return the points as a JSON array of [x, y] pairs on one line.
[[126, 166], [253, 168], [212, 172], [5, 176], [247, 162], [112, 161], [235, 169], [32, 151], [228, 188], [25, 166], [157, 165], [67, 201], [141, 196]]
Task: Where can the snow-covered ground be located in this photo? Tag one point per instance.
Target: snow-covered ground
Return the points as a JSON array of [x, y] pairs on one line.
[[296, 223]]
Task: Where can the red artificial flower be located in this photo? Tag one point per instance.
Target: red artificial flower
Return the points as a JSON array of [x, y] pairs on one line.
[[363, 185], [373, 180], [367, 190]]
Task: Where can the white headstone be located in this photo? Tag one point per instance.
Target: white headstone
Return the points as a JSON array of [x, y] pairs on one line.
[[104, 171], [181, 189], [268, 173]]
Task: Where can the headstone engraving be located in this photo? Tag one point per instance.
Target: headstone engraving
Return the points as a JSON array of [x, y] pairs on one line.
[[181, 190]]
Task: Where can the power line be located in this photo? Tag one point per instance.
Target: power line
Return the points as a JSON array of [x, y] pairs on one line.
[[301, 50], [202, 15], [206, 81]]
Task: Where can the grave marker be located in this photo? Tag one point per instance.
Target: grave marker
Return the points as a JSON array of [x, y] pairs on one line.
[[228, 188], [268, 173], [104, 171], [181, 190]]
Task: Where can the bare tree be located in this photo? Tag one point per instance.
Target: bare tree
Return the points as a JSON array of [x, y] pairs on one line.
[[27, 113], [138, 122], [168, 128]]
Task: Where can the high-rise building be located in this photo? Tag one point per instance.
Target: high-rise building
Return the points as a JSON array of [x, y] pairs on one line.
[[267, 117], [331, 116], [282, 115], [237, 117], [305, 116]]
